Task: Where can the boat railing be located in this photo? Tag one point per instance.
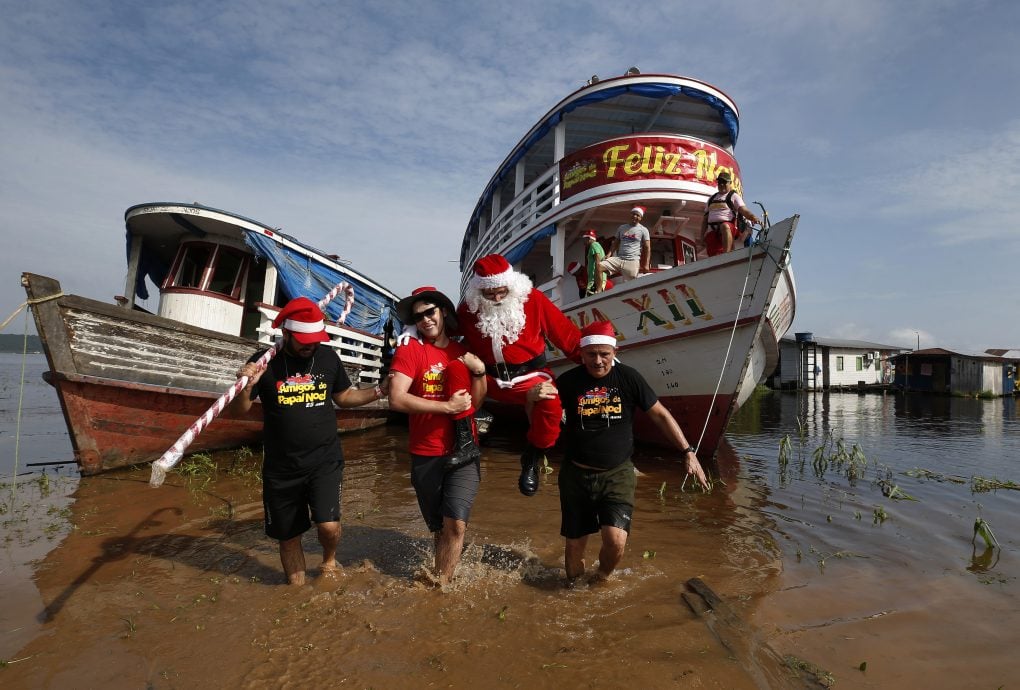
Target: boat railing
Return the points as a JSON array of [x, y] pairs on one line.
[[513, 223]]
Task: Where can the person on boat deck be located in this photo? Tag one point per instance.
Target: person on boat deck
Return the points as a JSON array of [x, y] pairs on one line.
[[597, 478], [506, 322], [631, 249], [719, 226], [302, 467], [594, 256], [439, 384], [574, 269]]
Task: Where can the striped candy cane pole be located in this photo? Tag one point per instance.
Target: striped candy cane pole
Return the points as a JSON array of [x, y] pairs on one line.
[[174, 454]]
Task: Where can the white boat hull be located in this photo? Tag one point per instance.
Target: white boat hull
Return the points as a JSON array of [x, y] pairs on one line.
[[703, 335]]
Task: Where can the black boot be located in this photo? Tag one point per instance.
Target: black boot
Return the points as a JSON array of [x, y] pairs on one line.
[[528, 482], [483, 420], [465, 449]]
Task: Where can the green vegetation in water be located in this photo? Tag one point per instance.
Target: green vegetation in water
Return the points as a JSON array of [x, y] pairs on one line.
[[985, 530], [821, 676], [833, 454], [199, 467], [879, 515], [921, 473], [983, 484], [890, 490]]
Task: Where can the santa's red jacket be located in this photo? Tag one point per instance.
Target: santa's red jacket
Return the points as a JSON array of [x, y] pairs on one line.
[[542, 320]]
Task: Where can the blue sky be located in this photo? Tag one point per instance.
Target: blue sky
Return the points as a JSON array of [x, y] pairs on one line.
[[369, 130]]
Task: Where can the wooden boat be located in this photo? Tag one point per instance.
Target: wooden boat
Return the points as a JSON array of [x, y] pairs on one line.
[[130, 382], [703, 330]]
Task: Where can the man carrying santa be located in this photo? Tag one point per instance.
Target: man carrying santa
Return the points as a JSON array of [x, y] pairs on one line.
[[505, 321]]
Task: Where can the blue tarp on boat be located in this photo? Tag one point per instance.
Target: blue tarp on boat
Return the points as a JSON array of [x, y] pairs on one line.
[[301, 275]]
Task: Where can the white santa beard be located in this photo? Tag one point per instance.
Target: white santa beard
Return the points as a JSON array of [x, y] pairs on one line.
[[501, 321]]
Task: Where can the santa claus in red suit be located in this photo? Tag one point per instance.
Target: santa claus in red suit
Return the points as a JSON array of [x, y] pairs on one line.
[[505, 321]]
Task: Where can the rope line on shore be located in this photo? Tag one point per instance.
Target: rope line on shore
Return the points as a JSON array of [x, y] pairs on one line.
[[28, 302]]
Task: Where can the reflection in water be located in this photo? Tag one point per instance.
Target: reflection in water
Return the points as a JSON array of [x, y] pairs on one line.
[[862, 568]]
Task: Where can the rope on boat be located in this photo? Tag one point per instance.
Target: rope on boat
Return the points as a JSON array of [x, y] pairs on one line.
[[174, 454], [21, 397], [729, 345], [28, 302]]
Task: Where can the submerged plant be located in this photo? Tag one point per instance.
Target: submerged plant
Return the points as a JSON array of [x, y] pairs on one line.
[[784, 453], [983, 484], [921, 473], [985, 530], [891, 490]]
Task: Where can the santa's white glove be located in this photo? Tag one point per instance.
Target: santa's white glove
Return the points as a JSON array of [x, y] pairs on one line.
[[407, 335]]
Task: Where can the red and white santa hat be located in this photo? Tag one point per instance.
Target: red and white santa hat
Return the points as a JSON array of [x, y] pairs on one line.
[[640, 210], [492, 271], [303, 318], [590, 234], [598, 333], [573, 267]]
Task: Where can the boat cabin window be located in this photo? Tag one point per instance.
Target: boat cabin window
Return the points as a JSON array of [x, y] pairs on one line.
[[226, 272], [193, 259], [209, 268]]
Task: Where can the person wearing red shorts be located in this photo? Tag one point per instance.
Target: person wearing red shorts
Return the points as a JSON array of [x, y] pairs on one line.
[[506, 322], [719, 227]]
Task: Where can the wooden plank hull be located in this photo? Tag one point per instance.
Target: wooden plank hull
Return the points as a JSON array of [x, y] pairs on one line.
[[130, 383]]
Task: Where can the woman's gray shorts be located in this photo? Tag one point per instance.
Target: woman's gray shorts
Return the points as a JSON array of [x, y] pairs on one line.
[[444, 494]]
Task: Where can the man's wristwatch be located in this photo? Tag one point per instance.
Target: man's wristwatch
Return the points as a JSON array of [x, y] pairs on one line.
[[688, 449]]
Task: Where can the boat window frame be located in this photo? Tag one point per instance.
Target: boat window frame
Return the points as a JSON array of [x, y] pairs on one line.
[[208, 271]]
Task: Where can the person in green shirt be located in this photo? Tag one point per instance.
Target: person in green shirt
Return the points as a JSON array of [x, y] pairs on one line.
[[593, 257]]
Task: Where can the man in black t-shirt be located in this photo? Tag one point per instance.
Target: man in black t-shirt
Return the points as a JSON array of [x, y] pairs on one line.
[[597, 479], [302, 467]]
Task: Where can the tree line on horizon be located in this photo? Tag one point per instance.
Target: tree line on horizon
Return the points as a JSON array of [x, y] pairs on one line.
[[14, 342]]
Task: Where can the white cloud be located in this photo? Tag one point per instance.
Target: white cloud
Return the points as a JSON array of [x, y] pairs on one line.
[[371, 129]]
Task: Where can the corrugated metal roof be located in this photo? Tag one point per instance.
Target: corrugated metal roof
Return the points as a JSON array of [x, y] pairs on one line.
[[848, 344]]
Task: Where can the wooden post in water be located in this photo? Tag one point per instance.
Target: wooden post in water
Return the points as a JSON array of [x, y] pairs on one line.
[[765, 665]]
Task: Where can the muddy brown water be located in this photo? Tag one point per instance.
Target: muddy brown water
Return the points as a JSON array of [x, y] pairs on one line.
[[178, 587]]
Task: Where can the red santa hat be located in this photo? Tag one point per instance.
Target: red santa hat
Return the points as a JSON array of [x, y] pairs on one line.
[[304, 320], [598, 333], [590, 234], [573, 267], [492, 271], [640, 210]]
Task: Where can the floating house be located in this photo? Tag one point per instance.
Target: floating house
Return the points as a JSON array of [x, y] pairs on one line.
[[938, 370], [810, 363]]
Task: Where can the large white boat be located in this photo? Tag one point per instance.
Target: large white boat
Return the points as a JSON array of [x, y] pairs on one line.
[[130, 382], [703, 330]]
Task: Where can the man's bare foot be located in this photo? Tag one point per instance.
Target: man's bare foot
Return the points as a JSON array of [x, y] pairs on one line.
[[331, 571]]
